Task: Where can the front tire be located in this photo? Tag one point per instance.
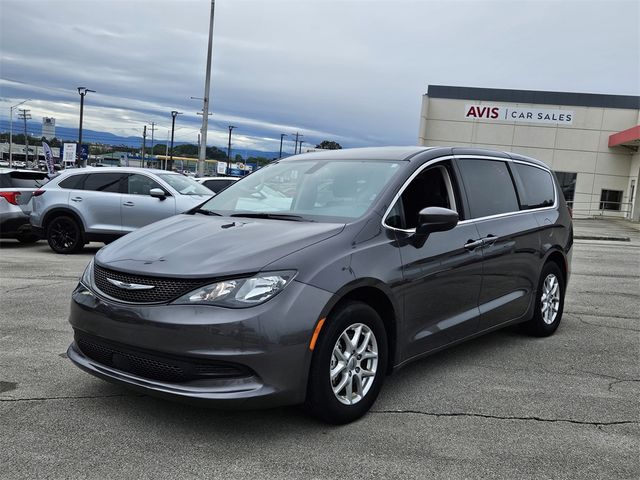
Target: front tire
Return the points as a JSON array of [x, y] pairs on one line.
[[549, 302], [65, 235], [348, 365]]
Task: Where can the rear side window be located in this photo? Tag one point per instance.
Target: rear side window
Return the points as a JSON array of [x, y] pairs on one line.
[[23, 179], [103, 182], [535, 187], [73, 182], [489, 187]]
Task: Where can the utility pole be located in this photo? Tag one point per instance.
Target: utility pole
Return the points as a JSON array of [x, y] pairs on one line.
[[231, 127], [82, 91], [174, 114], [282, 135], [205, 103], [153, 129], [144, 143], [11, 130], [295, 148], [166, 152], [25, 115]]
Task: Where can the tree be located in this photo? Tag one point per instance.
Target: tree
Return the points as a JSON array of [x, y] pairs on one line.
[[329, 145]]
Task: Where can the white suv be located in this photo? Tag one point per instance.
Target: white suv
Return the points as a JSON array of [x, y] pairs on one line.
[[103, 204]]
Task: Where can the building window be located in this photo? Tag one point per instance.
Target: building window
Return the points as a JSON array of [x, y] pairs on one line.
[[610, 199], [567, 181]]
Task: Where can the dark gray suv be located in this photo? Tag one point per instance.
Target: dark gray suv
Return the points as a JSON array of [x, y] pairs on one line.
[[313, 278]]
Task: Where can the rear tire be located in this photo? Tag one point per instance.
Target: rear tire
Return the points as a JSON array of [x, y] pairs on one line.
[[549, 303], [348, 365], [65, 235]]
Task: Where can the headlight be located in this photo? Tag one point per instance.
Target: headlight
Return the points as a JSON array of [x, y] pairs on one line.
[[240, 292], [87, 276]]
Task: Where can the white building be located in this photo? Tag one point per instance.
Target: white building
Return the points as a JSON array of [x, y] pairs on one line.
[[590, 140], [48, 127]]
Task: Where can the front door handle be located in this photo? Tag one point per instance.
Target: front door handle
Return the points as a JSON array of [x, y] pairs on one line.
[[473, 244], [128, 204], [489, 240], [76, 199]]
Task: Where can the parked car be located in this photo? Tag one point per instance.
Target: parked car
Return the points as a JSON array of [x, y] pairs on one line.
[[101, 204], [380, 257], [216, 184], [16, 190]]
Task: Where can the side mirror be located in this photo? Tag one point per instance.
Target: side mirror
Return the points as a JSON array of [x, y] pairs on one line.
[[158, 193], [435, 219]]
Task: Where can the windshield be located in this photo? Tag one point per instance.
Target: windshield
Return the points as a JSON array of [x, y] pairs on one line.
[[314, 190], [185, 185]]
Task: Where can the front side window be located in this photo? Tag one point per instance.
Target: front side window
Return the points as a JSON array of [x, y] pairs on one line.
[[431, 188], [103, 182], [489, 187], [319, 190], [610, 199], [184, 185], [141, 184], [535, 186]]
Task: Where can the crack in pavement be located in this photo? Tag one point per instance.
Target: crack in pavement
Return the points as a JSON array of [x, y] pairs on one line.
[[582, 320], [72, 397], [500, 417], [615, 382], [31, 286]]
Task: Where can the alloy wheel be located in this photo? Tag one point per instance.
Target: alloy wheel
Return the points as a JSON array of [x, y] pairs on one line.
[[354, 363], [550, 300]]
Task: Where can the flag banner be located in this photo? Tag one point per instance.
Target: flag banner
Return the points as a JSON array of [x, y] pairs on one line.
[[48, 158]]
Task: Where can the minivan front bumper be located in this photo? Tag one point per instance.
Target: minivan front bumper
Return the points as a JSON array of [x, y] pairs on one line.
[[269, 342]]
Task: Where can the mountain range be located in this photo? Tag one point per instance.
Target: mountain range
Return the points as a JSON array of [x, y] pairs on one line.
[[34, 129]]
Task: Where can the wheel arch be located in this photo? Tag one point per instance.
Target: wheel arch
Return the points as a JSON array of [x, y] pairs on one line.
[[559, 258], [378, 296], [59, 212]]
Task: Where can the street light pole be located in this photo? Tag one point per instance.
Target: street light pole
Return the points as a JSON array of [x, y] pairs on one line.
[[205, 101], [11, 130], [25, 115], [231, 127], [174, 114], [82, 91], [282, 135]]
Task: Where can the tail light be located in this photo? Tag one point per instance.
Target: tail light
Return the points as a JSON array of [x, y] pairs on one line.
[[11, 197], [39, 192]]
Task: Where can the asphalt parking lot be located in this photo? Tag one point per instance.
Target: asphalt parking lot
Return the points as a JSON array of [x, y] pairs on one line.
[[502, 406]]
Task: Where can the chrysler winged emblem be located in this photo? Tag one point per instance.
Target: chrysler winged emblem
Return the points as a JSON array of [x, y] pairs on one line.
[[129, 286]]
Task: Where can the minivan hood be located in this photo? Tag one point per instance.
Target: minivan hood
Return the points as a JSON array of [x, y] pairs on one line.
[[206, 246]]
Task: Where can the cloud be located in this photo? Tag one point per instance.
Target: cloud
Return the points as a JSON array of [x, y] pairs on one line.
[[351, 71]]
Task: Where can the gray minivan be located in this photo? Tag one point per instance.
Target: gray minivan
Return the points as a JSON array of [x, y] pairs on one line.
[[102, 204], [314, 277]]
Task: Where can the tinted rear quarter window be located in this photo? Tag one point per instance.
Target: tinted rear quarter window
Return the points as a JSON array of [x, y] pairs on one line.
[[217, 185], [489, 187], [103, 182], [23, 179], [535, 187], [73, 182]]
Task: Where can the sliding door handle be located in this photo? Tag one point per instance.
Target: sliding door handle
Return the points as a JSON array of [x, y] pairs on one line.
[[473, 244]]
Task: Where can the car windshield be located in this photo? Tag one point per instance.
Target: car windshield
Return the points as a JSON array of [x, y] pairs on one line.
[[320, 190], [185, 185]]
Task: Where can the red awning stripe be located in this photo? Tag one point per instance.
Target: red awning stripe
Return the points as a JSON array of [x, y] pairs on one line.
[[626, 136]]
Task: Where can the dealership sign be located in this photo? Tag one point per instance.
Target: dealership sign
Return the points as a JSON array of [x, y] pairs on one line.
[[501, 113], [69, 152]]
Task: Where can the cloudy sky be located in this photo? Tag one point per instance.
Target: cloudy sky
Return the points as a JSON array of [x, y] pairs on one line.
[[352, 71]]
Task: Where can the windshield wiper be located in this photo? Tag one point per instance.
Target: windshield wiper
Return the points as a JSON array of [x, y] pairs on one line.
[[206, 212], [274, 216]]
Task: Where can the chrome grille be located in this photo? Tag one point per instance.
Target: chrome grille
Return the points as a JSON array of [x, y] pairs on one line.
[[164, 289]]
